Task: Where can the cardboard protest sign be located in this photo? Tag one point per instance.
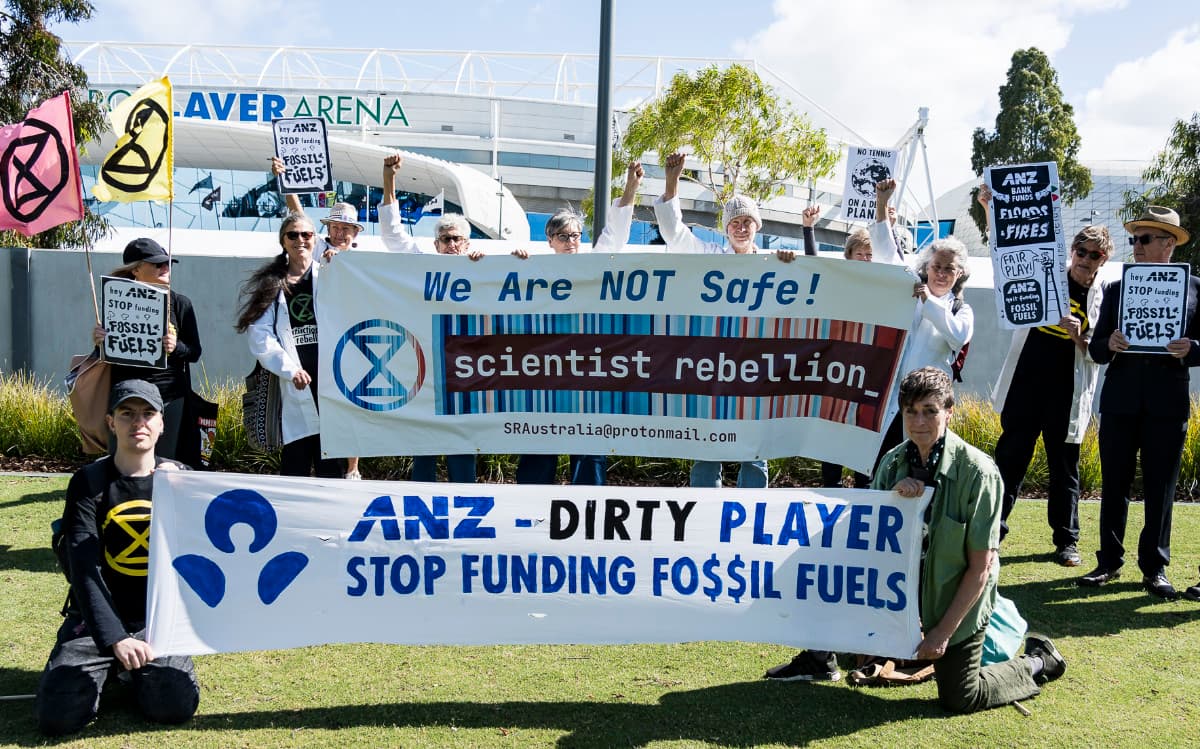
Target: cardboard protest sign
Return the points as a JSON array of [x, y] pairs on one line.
[[1029, 252], [1153, 305], [135, 316], [302, 145], [865, 167], [240, 562]]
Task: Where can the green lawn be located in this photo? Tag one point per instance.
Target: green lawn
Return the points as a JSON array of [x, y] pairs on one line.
[[1133, 675]]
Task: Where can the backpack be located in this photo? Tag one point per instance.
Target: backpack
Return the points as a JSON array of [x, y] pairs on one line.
[[960, 358]]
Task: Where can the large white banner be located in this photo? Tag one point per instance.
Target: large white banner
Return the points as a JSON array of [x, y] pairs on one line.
[[1028, 244], [689, 356], [243, 562]]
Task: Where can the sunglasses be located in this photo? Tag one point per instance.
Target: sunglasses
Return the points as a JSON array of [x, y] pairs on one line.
[[294, 235], [1090, 254], [1147, 238]]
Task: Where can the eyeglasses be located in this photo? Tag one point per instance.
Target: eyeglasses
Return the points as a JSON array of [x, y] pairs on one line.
[[294, 235], [1146, 238], [453, 239], [1090, 254], [943, 268], [568, 236]]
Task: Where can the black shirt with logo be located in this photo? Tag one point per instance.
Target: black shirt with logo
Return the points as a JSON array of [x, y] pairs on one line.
[[1047, 361], [302, 313], [107, 524]]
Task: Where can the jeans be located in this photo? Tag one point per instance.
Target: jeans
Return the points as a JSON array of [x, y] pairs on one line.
[[68, 693], [460, 468], [753, 474], [586, 470]]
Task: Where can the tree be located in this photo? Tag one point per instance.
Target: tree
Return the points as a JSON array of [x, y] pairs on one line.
[[1174, 179], [1034, 124], [33, 69], [749, 139]]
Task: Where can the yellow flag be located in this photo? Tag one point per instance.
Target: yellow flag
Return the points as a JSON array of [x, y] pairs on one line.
[[141, 166]]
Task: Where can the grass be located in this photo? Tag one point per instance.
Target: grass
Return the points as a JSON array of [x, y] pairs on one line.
[[35, 420], [1134, 671]]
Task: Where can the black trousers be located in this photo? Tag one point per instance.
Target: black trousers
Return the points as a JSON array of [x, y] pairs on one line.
[[1160, 441], [68, 694], [300, 457], [1025, 416]]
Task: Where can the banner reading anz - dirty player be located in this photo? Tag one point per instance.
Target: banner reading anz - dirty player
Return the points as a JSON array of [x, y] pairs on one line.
[[243, 562], [1029, 251], [722, 358]]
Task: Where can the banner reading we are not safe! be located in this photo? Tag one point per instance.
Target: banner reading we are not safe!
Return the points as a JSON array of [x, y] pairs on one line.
[[242, 562], [689, 356]]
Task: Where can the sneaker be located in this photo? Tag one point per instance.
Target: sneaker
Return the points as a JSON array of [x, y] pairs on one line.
[[354, 475], [806, 667], [1067, 555], [1100, 576], [1053, 664]]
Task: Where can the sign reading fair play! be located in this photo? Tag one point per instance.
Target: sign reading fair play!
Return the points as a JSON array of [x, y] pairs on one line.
[[865, 167], [1153, 305], [1029, 253], [135, 318], [302, 145]]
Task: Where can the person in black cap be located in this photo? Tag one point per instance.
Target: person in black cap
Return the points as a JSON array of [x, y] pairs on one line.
[[147, 262], [1144, 407], [107, 527]]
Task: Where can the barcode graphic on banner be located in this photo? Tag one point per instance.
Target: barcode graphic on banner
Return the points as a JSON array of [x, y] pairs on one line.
[[693, 366]]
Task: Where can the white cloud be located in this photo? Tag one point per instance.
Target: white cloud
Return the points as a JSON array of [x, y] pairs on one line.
[[874, 62], [219, 21], [1129, 116]]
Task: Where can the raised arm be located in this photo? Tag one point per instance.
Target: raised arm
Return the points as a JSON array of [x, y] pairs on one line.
[[616, 228], [291, 199], [809, 219], [391, 229]]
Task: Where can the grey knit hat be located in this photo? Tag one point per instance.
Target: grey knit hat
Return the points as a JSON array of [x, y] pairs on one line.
[[740, 205]]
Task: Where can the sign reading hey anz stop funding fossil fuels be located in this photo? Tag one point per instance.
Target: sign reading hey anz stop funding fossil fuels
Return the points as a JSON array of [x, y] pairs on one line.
[[301, 143]]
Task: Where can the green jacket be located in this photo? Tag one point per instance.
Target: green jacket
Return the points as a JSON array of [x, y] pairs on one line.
[[965, 517]]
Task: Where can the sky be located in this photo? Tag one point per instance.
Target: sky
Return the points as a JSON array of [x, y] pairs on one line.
[[1130, 68]]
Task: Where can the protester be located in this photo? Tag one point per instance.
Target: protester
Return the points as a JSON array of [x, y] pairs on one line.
[[1045, 387], [742, 223], [147, 262], [564, 232], [943, 322], [452, 236], [857, 247], [1144, 408], [961, 566], [341, 225], [108, 508], [278, 312], [391, 226], [342, 229]]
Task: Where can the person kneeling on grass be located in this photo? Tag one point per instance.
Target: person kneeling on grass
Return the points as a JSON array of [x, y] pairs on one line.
[[960, 566], [106, 524]]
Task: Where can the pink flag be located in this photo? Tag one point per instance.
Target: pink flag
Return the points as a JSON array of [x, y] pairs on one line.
[[39, 170]]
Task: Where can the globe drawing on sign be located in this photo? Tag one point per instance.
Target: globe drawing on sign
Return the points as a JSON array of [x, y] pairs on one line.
[[866, 174]]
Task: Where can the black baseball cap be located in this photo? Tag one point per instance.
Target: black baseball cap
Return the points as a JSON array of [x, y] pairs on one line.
[[126, 389], [145, 250]]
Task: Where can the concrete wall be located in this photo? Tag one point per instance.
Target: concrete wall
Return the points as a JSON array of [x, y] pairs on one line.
[[61, 315]]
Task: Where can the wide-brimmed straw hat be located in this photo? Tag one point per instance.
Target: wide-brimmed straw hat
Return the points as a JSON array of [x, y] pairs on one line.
[[1162, 219]]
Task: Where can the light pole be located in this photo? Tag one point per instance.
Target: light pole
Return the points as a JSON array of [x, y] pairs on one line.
[[603, 174]]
